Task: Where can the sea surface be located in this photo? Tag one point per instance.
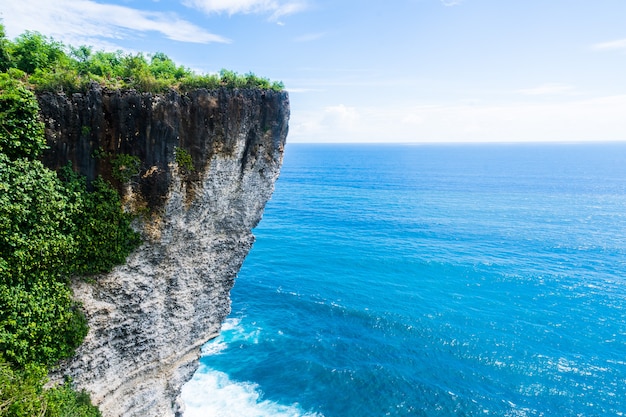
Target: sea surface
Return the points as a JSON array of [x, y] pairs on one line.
[[430, 280]]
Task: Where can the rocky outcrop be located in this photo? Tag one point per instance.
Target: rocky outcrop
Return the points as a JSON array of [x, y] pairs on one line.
[[149, 317]]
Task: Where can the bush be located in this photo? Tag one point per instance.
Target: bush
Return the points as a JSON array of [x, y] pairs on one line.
[[51, 227], [22, 394], [40, 322], [21, 391], [64, 401], [103, 231], [36, 221], [184, 160], [32, 51], [21, 132], [5, 57], [51, 66], [124, 167]]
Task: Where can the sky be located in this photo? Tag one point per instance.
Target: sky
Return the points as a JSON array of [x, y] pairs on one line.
[[384, 71]]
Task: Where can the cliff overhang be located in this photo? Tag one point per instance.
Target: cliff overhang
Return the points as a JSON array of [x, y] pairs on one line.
[[149, 317]]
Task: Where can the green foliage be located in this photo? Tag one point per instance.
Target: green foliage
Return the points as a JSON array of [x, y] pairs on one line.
[[57, 80], [192, 82], [103, 230], [125, 166], [51, 66], [64, 401], [21, 391], [5, 58], [40, 323], [51, 227], [21, 132], [35, 221], [184, 160], [162, 67], [32, 51], [22, 394]]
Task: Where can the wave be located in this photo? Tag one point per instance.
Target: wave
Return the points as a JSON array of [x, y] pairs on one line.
[[212, 393]]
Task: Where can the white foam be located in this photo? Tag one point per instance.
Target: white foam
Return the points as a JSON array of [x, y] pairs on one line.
[[211, 393], [232, 331], [232, 323], [214, 347]]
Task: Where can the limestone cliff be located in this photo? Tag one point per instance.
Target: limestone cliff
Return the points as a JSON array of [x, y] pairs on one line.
[[148, 318]]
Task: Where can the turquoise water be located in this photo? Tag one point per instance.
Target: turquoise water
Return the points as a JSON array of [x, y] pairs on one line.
[[430, 280]]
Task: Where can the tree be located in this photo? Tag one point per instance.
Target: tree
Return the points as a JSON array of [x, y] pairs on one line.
[[5, 57], [32, 51]]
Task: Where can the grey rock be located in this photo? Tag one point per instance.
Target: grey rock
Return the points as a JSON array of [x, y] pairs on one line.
[[149, 317]]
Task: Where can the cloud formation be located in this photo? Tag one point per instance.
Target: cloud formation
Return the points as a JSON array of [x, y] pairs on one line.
[[276, 9], [451, 2], [98, 24], [595, 119], [611, 45], [547, 89]]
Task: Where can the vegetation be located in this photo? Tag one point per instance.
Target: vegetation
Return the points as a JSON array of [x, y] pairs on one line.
[[22, 394], [21, 132], [52, 227], [48, 65], [125, 167], [184, 160]]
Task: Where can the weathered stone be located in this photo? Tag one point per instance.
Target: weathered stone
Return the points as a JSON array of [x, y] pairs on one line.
[[149, 317]]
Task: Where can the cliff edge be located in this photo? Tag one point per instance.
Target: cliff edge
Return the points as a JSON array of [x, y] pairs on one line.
[[149, 317]]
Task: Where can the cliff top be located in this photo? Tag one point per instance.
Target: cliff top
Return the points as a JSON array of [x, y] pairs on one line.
[[48, 65]]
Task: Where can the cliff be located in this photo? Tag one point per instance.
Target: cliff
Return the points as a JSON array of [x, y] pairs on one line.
[[149, 317]]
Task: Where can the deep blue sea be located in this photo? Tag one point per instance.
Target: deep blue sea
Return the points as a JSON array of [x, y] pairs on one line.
[[430, 280]]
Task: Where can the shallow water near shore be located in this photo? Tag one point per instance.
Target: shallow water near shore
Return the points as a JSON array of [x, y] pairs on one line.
[[430, 280]]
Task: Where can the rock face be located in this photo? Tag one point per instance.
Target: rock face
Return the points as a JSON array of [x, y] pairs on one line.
[[149, 317]]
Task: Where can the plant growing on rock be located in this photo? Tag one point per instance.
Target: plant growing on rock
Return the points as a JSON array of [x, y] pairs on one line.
[[184, 160], [51, 228], [124, 167]]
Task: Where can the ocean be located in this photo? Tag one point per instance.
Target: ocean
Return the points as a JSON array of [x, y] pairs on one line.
[[430, 280]]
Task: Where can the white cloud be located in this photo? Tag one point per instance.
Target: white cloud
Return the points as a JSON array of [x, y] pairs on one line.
[[276, 9], [88, 22], [298, 90], [547, 89], [341, 117], [611, 45], [451, 2], [597, 119], [338, 121], [310, 37]]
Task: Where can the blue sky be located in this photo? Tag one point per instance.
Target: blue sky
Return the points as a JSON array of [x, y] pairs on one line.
[[392, 71]]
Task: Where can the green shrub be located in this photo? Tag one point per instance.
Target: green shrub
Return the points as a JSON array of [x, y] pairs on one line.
[[5, 57], [40, 322], [36, 221], [184, 160], [103, 233], [60, 80], [21, 391], [21, 132], [192, 82], [22, 394], [51, 66], [32, 51], [51, 227], [124, 167], [64, 401]]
